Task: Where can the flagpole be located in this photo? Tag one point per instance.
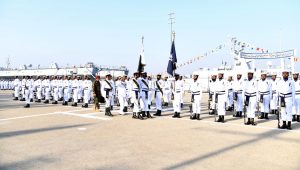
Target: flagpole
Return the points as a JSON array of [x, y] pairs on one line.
[[171, 18]]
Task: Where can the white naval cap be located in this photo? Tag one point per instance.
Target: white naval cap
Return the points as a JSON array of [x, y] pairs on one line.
[[295, 73], [285, 70], [250, 71]]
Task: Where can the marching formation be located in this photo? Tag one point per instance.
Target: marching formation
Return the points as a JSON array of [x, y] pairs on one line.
[[245, 97], [250, 97]]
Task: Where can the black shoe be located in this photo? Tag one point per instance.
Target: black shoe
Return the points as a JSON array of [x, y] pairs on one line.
[[211, 112], [261, 116], [27, 106], [252, 122], [289, 126], [193, 116], [223, 119], [74, 104], [175, 115], [283, 125], [219, 119], [106, 111], [248, 122], [60, 99], [70, 100], [134, 115], [46, 101], [298, 118], [181, 105], [273, 112], [15, 98], [55, 102], [31, 100], [198, 117], [85, 105], [149, 106], [266, 116], [22, 99], [38, 101], [158, 113], [236, 114], [125, 109], [140, 116], [143, 113], [294, 118], [149, 115]]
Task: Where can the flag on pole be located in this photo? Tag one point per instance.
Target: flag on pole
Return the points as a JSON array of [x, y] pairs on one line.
[[172, 61], [142, 62]]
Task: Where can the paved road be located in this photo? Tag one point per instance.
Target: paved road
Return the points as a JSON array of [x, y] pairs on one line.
[[64, 137]]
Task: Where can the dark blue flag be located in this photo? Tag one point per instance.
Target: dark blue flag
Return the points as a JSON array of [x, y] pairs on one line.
[[173, 60]]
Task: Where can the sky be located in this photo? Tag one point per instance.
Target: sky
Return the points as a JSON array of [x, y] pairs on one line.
[[74, 32]]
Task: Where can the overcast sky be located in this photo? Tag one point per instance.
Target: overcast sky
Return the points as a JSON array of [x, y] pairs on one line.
[[109, 32]]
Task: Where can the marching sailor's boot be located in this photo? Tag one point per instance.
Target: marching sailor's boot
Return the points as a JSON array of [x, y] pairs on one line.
[[134, 115], [15, 98], [283, 125], [223, 119], [31, 100], [149, 106], [252, 122], [149, 115], [261, 116], [38, 101], [248, 122], [193, 116], [46, 101], [55, 102], [143, 113], [289, 126], [74, 104], [266, 116], [125, 109], [175, 115], [27, 106], [198, 117], [140, 116], [158, 113], [178, 115], [219, 119], [109, 113], [294, 118]]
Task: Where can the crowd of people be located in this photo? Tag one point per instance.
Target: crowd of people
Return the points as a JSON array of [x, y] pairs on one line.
[[245, 97]]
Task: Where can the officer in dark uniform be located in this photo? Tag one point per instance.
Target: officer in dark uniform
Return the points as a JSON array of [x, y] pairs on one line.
[[97, 93]]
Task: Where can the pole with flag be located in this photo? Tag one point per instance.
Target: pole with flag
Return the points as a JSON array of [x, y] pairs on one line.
[[142, 62], [173, 58]]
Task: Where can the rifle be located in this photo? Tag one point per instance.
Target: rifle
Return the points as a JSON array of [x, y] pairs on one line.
[[244, 110], [215, 108], [279, 112]]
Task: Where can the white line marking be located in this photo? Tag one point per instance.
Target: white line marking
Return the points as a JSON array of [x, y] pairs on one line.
[[81, 129], [22, 117], [83, 115]]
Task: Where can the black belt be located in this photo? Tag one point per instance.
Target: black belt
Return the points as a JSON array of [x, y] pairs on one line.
[[287, 95], [264, 93]]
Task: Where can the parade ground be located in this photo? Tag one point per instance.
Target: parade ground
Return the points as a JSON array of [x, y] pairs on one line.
[[48, 136]]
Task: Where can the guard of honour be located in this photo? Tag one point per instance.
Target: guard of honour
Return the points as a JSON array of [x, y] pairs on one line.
[[246, 98]]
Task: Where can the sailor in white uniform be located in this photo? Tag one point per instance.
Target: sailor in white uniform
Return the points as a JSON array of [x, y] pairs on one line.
[[296, 106], [66, 87], [75, 88], [107, 91], [286, 94], [17, 86], [230, 94], [196, 91], [274, 97], [47, 86], [250, 93], [122, 95], [87, 88], [264, 92], [221, 97], [177, 91], [55, 87], [212, 95], [167, 91], [158, 94], [144, 95], [135, 96], [27, 87], [238, 86]]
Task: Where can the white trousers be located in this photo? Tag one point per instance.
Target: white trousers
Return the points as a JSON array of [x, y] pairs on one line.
[[177, 102], [123, 103], [144, 101], [75, 95], [197, 104], [17, 91], [167, 96], [251, 108], [239, 103], [221, 104], [158, 99], [265, 106], [296, 107], [286, 113], [26, 95], [135, 101]]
